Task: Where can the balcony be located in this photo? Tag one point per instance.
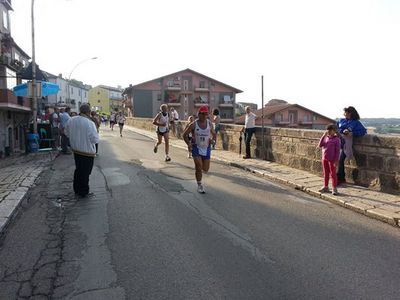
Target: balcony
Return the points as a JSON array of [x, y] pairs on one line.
[[173, 104], [201, 89], [10, 102], [225, 105]]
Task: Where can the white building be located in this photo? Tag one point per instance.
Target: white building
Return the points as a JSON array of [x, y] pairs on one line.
[[72, 93]]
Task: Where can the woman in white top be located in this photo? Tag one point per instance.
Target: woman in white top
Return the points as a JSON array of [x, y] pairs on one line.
[[161, 120], [203, 135]]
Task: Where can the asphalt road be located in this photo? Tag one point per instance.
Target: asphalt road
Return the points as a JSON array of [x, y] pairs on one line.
[[147, 234]]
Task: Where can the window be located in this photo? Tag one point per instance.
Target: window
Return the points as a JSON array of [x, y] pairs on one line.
[[11, 78], [291, 118], [202, 84], [79, 92], [5, 20], [72, 91], [186, 85], [306, 118], [314, 118], [279, 117]]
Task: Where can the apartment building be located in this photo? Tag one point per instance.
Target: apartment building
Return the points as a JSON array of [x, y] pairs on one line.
[[106, 99], [186, 91], [72, 93], [15, 112]]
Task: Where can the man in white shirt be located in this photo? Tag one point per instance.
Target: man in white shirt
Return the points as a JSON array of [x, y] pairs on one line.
[[174, 121], [249, 129], [83, 136]]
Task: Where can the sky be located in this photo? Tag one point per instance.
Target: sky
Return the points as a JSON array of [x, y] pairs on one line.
[[321, 54]]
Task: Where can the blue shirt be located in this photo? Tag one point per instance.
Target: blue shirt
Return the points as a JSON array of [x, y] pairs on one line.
[[64, 117], [355, 126]]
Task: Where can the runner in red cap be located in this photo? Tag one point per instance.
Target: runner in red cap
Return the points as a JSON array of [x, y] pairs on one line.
[[203, 135]]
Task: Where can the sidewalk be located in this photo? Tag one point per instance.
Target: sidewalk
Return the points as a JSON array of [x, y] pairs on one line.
[[377, 205], [17, 176]]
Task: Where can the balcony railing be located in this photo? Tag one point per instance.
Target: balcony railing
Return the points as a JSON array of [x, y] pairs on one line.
[[9, 100]]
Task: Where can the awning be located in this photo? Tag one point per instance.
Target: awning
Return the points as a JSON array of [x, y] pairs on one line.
[[44, 89]]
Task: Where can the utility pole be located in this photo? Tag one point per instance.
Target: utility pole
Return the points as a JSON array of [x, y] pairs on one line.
[[262, 117], [34, 88]]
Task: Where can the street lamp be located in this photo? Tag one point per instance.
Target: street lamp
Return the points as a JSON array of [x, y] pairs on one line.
[[73, 69]]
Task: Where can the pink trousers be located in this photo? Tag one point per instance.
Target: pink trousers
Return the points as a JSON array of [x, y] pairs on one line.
[[329, 167]]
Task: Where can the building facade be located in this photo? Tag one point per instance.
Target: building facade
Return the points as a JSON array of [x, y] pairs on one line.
[[283, 114], [106, 99], [186, 91], [15, 112], [72, 93]]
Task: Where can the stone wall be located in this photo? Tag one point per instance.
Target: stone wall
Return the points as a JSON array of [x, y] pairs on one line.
[[376, 162]]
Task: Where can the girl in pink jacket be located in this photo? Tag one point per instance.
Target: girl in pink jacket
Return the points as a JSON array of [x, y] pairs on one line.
[[330, 144]]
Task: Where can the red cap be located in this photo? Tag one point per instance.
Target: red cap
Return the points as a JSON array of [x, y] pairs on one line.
[[203, 109]]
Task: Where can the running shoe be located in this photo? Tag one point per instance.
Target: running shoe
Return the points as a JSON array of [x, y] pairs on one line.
[[324, 189], [167, 158], [334, 191], [200, 189], [155, 149]]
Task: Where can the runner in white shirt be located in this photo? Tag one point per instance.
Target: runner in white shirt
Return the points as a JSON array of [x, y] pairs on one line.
[[161, 120], [203, 135]]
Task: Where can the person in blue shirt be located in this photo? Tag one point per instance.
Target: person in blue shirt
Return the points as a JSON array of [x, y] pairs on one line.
[[349, 127]]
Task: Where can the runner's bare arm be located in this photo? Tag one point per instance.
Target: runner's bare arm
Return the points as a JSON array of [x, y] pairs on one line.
[[157, 119], [188, 130]]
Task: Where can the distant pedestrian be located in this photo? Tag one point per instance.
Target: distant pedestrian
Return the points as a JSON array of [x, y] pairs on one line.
[[174, 118], [96, 119], [330, 144], [349, 127], [55, 124], [112, 120], [190, 135], [203, 136], [249, 129], [161, 120], [64, 118], [83, 136], [217, 124], [120, 118]]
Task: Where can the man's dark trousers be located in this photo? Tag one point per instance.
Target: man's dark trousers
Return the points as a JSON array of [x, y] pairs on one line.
[[64, 143], [84, 166], [248, 133]]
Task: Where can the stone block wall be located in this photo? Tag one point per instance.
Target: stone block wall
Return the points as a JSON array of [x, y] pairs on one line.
[[376, 162]]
